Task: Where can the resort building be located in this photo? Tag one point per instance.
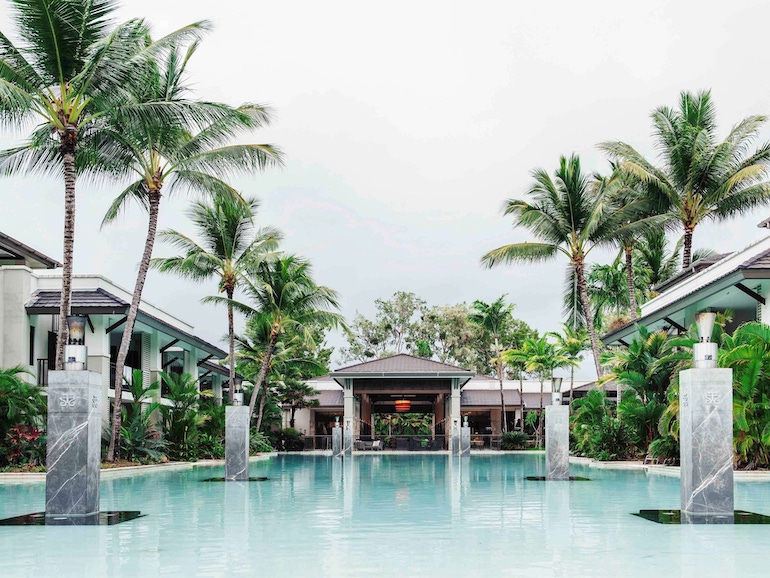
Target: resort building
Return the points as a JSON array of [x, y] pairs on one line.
[[402, 383], [30, 289], [738, 281]]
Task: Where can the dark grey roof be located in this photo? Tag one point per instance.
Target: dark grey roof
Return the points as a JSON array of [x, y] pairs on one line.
[[488, 397], [694, 268], [16, 253], [101, 302], [84, 301], [402, 364], [214, 367], [329, 398], [761, 261]]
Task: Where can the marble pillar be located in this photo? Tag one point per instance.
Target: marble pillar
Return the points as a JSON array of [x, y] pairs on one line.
[[454, 414], [74, 443], [337, 442], [349, 411], [557, 442], [706, 442], [347, 438], [237, 442], [465, 441]]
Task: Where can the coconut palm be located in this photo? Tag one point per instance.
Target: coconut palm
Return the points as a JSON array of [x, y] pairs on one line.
[[283, 297], [569, 215], [700, 178], [229, 245], [541, 357], [571, 342], [493, 319], [174, 158], [294, 393], [65, 73]]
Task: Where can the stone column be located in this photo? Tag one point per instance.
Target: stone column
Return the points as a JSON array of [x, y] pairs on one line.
[[557, 442], [465, 441], [74, 444], [236, 443], [349, 406], [454, 414], [337, 441], [706, 442]]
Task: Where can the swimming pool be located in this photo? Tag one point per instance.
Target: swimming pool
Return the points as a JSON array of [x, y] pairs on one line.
[[386, 515]]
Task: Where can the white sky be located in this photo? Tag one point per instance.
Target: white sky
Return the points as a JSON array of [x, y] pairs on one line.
[[407, 124]]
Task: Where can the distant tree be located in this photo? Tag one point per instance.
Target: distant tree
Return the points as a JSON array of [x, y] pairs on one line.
[[294, 393]]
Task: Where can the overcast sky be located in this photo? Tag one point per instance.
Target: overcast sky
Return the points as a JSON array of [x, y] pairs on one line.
[[407, 124]]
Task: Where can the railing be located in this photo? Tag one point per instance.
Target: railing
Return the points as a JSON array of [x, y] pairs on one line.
[[318, 442], [42, 371]]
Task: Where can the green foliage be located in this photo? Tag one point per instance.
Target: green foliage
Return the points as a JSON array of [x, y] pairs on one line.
[[140, 440], [665, 448], [596, 432], [183, 419], [402, 424], [514, 440], [23, 444], [259, 443], [22, 413], [288, 440]]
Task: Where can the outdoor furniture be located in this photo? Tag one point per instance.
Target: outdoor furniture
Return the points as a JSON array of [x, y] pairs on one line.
[[436, 444], [402, 444]]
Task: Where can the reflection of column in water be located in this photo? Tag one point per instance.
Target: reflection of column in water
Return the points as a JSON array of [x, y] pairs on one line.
[[557, 517], [349, 484], [453, 486], [704, 550], [236, 523], [337, 464]]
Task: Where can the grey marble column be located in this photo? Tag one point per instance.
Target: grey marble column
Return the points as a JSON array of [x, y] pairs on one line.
[[347, 438], [456, 437], [74, 443], [706, 442], [237, 442], [465, 441], [337, 442], [557, 442]]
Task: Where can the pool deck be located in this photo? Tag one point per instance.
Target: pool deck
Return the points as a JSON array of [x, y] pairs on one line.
[[123, 472]]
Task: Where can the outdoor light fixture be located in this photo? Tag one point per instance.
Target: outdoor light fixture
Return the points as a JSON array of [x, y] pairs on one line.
[[465, 421], [403, 405], [556, 390], [705, 351], [336, 421], [237, 390], [75, 352]]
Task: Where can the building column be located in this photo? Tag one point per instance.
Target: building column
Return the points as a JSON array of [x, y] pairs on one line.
[[454, 414], [349, 416]]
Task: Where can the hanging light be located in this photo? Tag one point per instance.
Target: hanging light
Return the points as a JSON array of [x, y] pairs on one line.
[[403, 405]]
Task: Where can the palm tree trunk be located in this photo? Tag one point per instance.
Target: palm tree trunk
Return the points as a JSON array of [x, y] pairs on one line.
[[128, 329], [261, 378], [540, 417], [231, 338], [581, 281], [68, 159], [630, 279], [499, 365], [521, 398], [687, 252]]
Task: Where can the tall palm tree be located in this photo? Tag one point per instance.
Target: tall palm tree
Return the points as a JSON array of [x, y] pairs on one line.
[[570, 216], [283, 296], [66, 72], [229, 246], [493, 319], [700, 177], [174, 158]]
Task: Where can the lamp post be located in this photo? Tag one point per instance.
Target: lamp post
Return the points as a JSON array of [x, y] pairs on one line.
[[556, 395], [238, 390], [76, 352]]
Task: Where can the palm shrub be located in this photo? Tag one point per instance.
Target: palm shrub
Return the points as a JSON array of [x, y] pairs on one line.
[[22, 415], [514, 440], [183, 419], [596, 432]]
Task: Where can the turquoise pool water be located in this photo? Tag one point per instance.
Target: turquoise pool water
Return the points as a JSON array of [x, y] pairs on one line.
[[387, 515]]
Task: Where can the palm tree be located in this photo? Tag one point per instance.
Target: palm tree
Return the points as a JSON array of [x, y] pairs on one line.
[[571, 342], [229, 245], [294, 394], [540, 357], [66, 73], [284, 297], [568, 216], [170, 158], [700, 178], [493, 319]]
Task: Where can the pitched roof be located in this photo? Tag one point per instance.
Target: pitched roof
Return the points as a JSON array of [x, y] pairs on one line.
[[87, 301], [101, 302], [402, 364], [17, 253], [694, 268], [329, 398], [488, 398]]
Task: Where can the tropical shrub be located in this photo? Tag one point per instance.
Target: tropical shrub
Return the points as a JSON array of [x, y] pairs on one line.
[[514, 440], [259, 443], [288, 440], [24, 444], [22, 412], [665, 448]]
